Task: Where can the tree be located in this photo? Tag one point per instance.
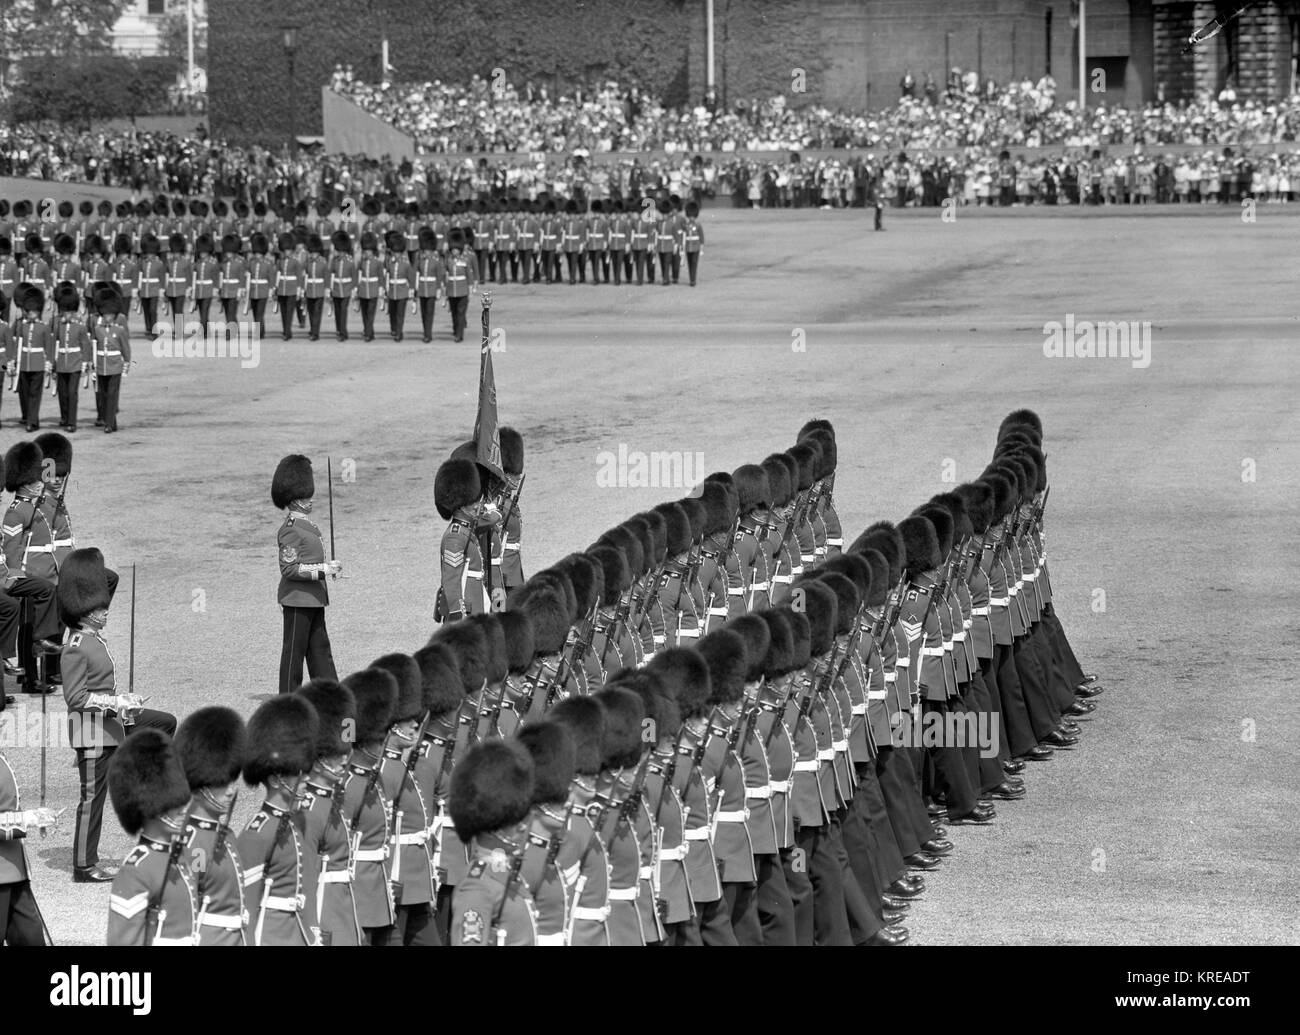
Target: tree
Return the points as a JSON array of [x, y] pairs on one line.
[[60, 28], [173, 34]]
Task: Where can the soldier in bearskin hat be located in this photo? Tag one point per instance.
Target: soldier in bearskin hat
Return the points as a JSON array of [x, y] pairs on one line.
[[457, 493], [21, 922], [110, 350], [399, 281], [302, 595], [512, 463], [153, 898], [9, 276], [259, 279], [176, 277], [288, 282], [66, 267], [149, 280], [462, 281], [315, 276], [57, 451], [343, 281], [430, 274], [553, 752], [125, 272], [212, 744], [370, 283], [100, 716], [206, 278], [325, 828], [232, 280], [72, 354], [29, 566], [33, 350], [281, 750], [491, 793]]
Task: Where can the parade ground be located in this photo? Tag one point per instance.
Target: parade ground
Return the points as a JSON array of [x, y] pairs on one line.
[[1175, 471]]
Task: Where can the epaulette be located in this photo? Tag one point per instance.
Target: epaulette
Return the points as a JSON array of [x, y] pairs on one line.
[[204, 824], [136, 856], [477, 867]]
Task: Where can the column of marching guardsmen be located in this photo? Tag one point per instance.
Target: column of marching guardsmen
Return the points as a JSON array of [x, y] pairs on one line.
[[176, 252], [695, 731]]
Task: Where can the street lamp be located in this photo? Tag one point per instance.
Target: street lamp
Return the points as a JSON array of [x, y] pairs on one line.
[[290, 39]]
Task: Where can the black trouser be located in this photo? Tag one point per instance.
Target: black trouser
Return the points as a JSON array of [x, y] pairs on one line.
[[665, 263], [286, 316], [176, 306], [638, 263], [107, 389], [598, 268], [149, 306], [68, 386], [39, 594], [775, 904], [315, 309], [30, 383], [571, 259], [685, 932], [742, 908], [397, 317], [230, 307], [830, 915], [902, 795], [549, 266], [868, 836], [205, 307], [92, 769], [989, 765], [305, 639], [414, 926], [693, 265], [502, 257], [368, 307], [482, 254], [880, 216], [20, 916], [340, 316], [428, 307], [1015, 713], [257, 306], [458, 307], [799, 885], [715, 922], [616, 264], [951, 778], [526, 259]]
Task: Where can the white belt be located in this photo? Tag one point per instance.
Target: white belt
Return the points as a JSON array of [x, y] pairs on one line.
[[719, 612], [861, 709], [187, 940], [417, 838], [934, 652], [825, 755], [947, 646], [759, 792], [336, 877], [660, 639], [891, 677], [71, 348], [872, 695], [840, 745], [673, 854], [834, 542], [959, 637], [999, 601], [735, 592], [698, 834], [1013, 590], [782, 580], [624, 894], [807, 558], [979, 612], [758, 587], [550, 939], [808, 765], [514, 547], [645, 873], [598, 913], [1031, 576], [63, 542], [282, 904], [48, 548], [902, 662], [111, 352], [689, 633], [371, 855], [473, 574], [224, 921], [733, 816], [796, 570], [779, 786]]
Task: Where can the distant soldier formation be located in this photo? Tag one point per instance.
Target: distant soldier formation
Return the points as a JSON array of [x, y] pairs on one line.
[[699, 730]]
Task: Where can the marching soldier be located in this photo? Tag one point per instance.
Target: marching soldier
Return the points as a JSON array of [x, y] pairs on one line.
[[72, 355], [457, 494], [152, 901], [125, 270], [574, 242], [512, 463], [149, 281], [618, 229], [370, 281], [288, 284], [176, 279], [302, 595], [35, 268], [692, 239], [429, 279], [399, 280], [33, 346], [100, 717], [205, 278], [325, 828], [343, 281], [315, 278], [597, 243], [95, 269], [212, 743], [65, 266], [110, 350], [8, 354], [259, 281], [553, 753], [366, 808], [232, 281], [462, 281], [10, 275], [21, 922], [549, 233], [273, 849]]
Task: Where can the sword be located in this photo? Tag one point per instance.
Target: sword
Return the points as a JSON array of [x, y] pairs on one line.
[[329, 483], [130, 679]]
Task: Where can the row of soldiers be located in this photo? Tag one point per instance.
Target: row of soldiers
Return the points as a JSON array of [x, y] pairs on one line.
[[694, 731]]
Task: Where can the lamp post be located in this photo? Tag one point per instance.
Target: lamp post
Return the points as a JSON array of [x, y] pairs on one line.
[[289, 36]]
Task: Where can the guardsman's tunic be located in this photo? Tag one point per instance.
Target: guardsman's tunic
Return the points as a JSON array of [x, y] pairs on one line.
[[326, 829], [275, 860], [366, 809], [462, 569], [219, 882], [138, 886], [484, 911]]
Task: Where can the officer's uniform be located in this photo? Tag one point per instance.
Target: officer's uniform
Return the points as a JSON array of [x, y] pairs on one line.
[[462, 568], [288, 286], [72, 355], [20, 916], [482, 911], [149, 282], [303, 596], [33, 346], [429, 282], [325, 827], [461, 281], [370, 278], [261, 276], [110, 351], [399, 281], [205, 280], [366, 808]]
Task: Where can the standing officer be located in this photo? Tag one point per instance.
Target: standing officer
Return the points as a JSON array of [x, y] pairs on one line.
[[575, 241], [617, 229], [33, 350], [527, 229], [303, 570], [692, 239], [259, 280], [370, 273], [456, 494], [549, 233], [597, 243], [153, 901], [429, 279], [234, 273], [462, 281], [125, 270], [288, 283], [399, 279], [176, 279], [343, 281], [666, 244], [315, 274], [100, 718], [205, 278], [212, 743], [503, 240], [110, 349], [149, 281], [71, 353]]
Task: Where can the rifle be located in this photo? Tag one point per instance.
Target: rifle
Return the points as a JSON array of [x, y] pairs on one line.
[[800, 504], [408, 767], [130, 680], [512, 501], [156, 916], [329, 486], [613, 631], [670, 770], [516, 864]]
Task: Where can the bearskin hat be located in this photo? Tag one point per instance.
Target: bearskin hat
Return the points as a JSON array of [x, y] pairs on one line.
[[441, 690], [782, 476], [456, 485], [808, 455], [944, 526], [754, 631], [800, 636], [394, 242], [176, 244], [6, 246], [284, 241], [66, 297], [491, 788], [108, 298], [816, 424], [852, 566], [977, 500], [341, 242], [468, 643], [660, 708], [64, 244], [696, 514], [517, 628], [587, 578], [369, 242], [86, 208], [553, 752], [410, 689], [684, 674], [550, 618], [495, 660], [56, 447], [281, 739], [847, 599], [456, 239], [1015, 474], [34, 244], [584, 718], [719, 506], [621, 742], [677, 526], [920, 545], [428, 239], [211, 743], [94, 244], [825, 442], [880, 580], [629, 544], [818, 603], [645, 543], [204, 244], [149, 245], [122, 245], [1023, 436], [1000, 492], [292, 481], [375, 691], [884, 537], [1039, 460], [558, 580], [336, 715], [1019, 419], [961, 523], [315, 244], [779, 658], [32, 298], [752, 488], [83, 585], [241, 208], [656, 547], [723, 652], [617, 573], [230, 244], [146, 780]]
